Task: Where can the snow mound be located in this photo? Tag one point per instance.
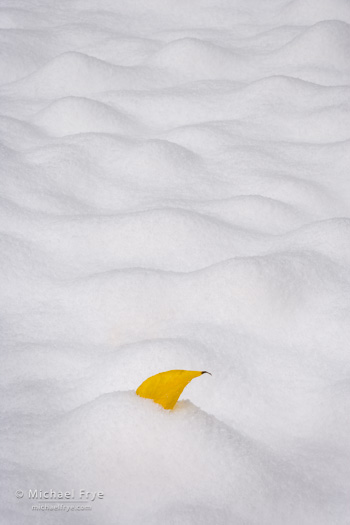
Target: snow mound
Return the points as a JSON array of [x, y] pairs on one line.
[[123, 51], [325, 44], [74, 74], [80, 115], [176, 461], [193, 57], [312, 11]]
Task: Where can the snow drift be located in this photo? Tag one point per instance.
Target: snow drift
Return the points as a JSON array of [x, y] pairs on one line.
[[175, 195]]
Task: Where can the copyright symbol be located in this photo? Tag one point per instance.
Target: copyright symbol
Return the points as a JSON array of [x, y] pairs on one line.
[[19, 494]]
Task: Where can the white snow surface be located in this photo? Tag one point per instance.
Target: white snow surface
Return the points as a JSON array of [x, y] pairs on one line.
[[175, 193]]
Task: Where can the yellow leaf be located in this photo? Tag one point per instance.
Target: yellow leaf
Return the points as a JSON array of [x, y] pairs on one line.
[[165, 388]]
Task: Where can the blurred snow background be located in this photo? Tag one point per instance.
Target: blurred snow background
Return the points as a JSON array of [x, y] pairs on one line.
[[175, 193]]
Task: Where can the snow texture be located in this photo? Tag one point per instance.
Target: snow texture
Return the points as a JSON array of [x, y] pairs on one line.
[[175, 193]]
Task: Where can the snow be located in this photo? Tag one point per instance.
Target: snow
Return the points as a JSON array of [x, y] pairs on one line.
[[175, 195]]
